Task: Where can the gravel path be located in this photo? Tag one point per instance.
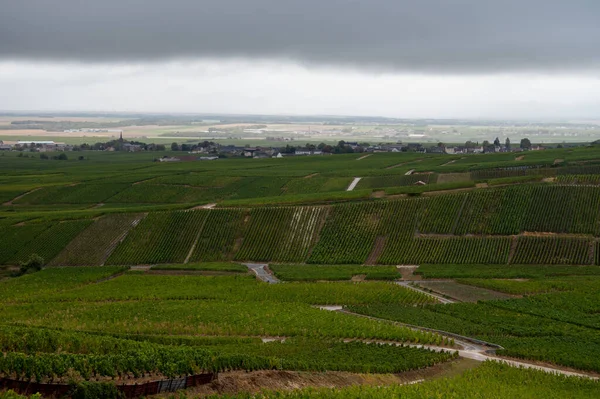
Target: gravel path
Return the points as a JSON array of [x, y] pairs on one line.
[[353, 184], [261, 272]]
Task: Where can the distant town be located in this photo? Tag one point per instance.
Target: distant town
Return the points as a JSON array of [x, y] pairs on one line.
[[209, 150]]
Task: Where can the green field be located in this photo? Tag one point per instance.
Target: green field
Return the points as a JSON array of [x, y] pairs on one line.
[[144, 279]]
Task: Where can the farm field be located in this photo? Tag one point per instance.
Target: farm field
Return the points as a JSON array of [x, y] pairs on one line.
[[143, 272]]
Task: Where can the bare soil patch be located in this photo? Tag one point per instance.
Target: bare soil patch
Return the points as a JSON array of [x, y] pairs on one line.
[[377, 250], [481, 185], [538, 234], [238, 244], [407, 272], [557, 161], [358, 277], [234, 382], [363, 157], [549, 179], [378, 194], [520, 158]]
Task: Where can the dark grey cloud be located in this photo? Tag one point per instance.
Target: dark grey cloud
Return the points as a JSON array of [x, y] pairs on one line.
[[448, 36]]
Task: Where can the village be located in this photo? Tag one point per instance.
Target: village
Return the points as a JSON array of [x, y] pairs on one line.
[[209, 150]]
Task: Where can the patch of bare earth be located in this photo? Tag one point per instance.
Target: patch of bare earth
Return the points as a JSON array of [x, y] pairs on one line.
[[538, 234], [234, 382], [520, 158], [453, 177], [363, 157], [311, 175], [238, 244], [377, 250], [407, 272], [378, 194], [549, 179], [557, 161], [358, 277]]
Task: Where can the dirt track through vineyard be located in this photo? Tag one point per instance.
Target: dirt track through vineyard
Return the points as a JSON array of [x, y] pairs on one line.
[[477, 350]]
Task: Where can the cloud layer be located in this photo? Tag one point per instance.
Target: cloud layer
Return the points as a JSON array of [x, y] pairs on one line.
[[430, 36]]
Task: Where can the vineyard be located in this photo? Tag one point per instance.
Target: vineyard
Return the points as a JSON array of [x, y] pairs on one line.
[[473, 227], [482, 250], [94, 244], [207, 266], [218, 237], [395, 180], [212, 318], [161, 237], [104, 356], [348, 234], [316, 184], [52, 280], [333, 272], [551, 250], [584, 180], [513, 241], [491, 380], [239, 288], [281, 234], [49, 243], [73, 194], [528, 332], [15, 238]]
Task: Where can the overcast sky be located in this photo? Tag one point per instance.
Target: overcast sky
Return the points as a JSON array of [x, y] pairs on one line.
[[399, 58]]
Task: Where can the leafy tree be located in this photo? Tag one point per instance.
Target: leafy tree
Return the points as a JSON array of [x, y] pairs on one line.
[[33, 264], [62, 157], [43, 156], [497, 142], [525, 144], [174, 147], [507, 144]]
